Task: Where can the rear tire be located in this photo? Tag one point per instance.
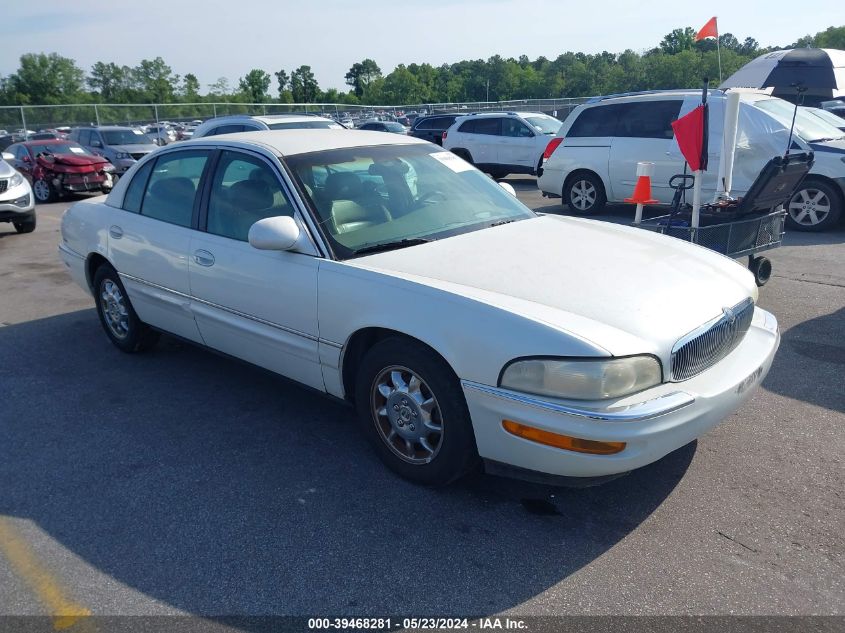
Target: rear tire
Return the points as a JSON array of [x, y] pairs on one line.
[[498, 174], [584, 193], [27, 225], [117, 316], [404, 393], [463, 154], [816, 206]]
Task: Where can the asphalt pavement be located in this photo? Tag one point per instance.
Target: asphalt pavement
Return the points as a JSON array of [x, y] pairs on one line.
[[180, 481]]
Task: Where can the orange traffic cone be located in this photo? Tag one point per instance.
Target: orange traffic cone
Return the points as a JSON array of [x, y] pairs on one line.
[[642, 192]]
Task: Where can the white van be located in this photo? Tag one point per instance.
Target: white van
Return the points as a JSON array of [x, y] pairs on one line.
[[593, 159]]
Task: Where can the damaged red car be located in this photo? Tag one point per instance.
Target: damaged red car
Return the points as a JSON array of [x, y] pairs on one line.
[[56, 168]]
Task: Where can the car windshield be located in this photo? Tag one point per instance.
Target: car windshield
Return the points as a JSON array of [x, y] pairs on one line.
[[305, 125], [394, 127], [827, 117], [59, 148], [371, 198], [808, 127], [126, 137], [546, 124]]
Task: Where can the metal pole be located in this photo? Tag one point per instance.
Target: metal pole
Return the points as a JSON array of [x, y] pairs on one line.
[[97, 115], [23, 120], [214, 107]]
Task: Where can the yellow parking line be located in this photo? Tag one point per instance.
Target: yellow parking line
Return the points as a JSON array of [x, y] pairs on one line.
[[64, 611]]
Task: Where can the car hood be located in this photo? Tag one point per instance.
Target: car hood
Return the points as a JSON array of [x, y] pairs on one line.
[[564, 270], [135, 148], [70, 163], [6, 170]]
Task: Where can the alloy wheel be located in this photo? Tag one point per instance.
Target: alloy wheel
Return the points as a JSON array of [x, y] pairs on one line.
[[809, 206], [113, 306], [406, 415], [41, 189], [583, 195]]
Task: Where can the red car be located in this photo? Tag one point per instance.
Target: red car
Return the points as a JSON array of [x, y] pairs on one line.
[[56, 168]]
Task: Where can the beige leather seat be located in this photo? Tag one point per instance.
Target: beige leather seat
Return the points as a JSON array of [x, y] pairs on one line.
[[352, 208]]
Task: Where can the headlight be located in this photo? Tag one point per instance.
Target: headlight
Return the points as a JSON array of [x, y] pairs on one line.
[[108, 167], [15, 180], [121, 155], [583, 379]]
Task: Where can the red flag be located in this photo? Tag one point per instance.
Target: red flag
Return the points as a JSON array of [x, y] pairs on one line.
[[708, 30], [689, 134]]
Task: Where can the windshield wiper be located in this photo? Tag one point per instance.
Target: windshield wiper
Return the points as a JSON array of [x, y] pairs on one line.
[[826, 139], [390, 246], [501, 222]]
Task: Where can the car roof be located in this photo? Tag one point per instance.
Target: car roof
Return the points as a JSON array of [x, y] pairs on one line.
[[266, 118], [47, 141], [508, 113], [296, 141]]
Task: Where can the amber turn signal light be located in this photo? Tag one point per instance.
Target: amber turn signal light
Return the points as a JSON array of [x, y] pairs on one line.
[[565, 442]]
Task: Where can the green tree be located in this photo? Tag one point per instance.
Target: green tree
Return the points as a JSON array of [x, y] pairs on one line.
[[303, 85], [155, 80], [678, 40], [219, 88], [361, 75], [190, 89], [283, 80], [46, 79], [254, 85]]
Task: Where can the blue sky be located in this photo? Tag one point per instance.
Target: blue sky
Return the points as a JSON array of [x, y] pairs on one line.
[[215, 40]]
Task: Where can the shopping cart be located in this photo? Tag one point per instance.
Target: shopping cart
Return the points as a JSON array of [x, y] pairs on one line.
[[743, 227]]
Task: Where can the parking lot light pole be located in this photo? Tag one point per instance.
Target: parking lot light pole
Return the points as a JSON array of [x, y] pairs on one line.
[[96, 115], [23, 120]]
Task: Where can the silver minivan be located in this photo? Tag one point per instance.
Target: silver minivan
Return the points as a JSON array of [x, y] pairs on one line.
[[593, 159]]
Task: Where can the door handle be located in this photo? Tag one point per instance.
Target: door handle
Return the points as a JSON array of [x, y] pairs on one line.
[[203, 258], [115, 231]]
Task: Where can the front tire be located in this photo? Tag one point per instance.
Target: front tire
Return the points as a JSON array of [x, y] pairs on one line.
[[117, 316], [411, 407], [584, 194], [816, 206], [43, 191], [26, 225]]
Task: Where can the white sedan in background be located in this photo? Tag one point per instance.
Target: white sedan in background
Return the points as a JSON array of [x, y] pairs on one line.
[[463, 327]]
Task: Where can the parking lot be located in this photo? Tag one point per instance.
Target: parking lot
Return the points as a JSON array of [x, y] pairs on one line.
[[180, 481]]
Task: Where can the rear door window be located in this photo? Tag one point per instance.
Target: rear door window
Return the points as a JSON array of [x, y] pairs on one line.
[[173, 185], [491, 126], [596, 121], [85, 137], [648, 119]]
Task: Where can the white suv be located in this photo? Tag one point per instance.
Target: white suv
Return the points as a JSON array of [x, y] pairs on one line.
[[502, 143], [593, 159], [246, 123]]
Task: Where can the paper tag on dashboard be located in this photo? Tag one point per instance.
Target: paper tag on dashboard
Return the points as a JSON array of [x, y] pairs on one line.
[[453, 162]]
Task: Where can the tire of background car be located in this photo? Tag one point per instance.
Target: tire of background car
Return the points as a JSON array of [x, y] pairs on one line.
[[584, 193], [412, 409], [43, 191], [117, 316], [463, 154], [26, 225], [497, 174], [817, 199]]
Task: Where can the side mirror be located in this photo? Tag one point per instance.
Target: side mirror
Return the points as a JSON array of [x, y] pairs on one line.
[[508, 187], [8, 156], [96, 144], [280, 233]]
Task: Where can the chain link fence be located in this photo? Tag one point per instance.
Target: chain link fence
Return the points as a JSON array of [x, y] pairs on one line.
[[32, 118]]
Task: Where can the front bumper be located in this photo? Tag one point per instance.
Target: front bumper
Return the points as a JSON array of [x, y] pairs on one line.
[[16, 202], [652, 423]]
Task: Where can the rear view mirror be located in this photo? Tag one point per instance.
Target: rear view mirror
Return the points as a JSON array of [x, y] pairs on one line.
[[280, 233], [7, 156]]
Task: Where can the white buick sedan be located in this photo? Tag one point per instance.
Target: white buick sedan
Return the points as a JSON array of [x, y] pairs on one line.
[[391, 274]]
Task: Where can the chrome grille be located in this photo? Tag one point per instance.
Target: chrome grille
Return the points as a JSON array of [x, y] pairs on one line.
[[707, 345], [3, 185]]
